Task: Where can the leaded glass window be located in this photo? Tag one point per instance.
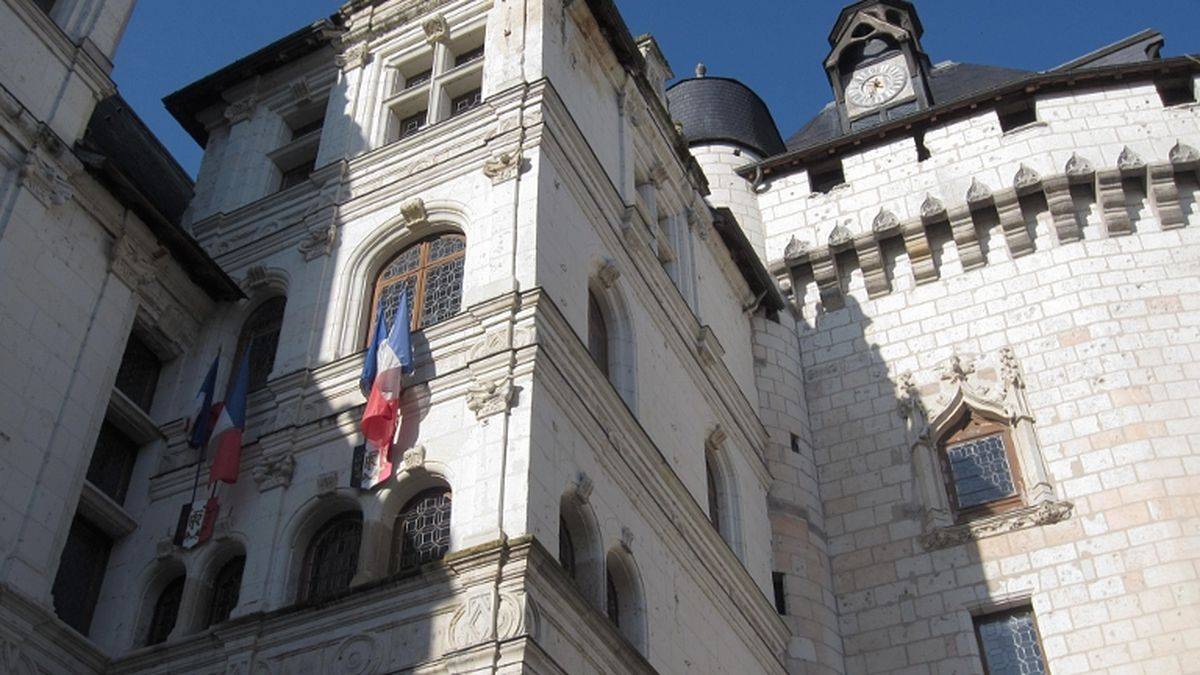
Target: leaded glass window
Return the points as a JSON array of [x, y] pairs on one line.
[[112, 462], [412, 124], [422, 530], [464, 103], [980, 467], [597, 332], [430, 273], [332, 558], [1010, 644], [80, 574], [137, 377], [166, 611], [227, 588], [260, 335], [566, 548]]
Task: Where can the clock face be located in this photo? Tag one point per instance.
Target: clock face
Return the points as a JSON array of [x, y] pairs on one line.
[[877, 84]]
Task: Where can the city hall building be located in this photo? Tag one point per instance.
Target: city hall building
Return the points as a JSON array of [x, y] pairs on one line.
[[915, 389]]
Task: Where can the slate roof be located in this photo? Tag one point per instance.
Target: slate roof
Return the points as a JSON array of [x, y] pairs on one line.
[[948, 81], [723, 109]]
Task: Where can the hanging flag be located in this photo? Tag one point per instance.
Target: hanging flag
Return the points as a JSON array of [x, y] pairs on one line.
[[202, 422], [229, 427], [196, 522], [371, 362], [393, 358]]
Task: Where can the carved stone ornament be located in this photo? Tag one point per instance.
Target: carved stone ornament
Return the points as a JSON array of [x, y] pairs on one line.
[[885, 221], [354, 56], [1130, 160], [472, 623], [1044, 513], [1182, 153], [318, 242], [327, 483], [45, 181], [840, 236], [696, 223], [133, 265], [1026, 178], [241, 110], [413, 459], [1078, 166], [503, 167], [490, 398], [795, 249], [978, 192], [164, 548], [583, 487], [358, 655], [275, 471], [436, 28], [608, 274], [912, 410], [413, 211], [626, 539], [932, 207], [716, 438], [956, 369], [256, 276], [14, 660]]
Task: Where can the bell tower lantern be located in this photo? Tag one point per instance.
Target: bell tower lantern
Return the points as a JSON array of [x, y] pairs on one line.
[[876, 65]]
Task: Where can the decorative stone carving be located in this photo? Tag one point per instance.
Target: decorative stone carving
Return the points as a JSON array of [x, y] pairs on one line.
[[716, 438], [354, 56], [472, 623], [164, 548], [978, 192], [840, 236], [327, 483], [256, 276], [275, 471], [14, 660], [1130, 160], [1181, 153], [503, 167], [358, 655], [45, 181], [436, 28], [413, 211], [608, 274], [1044, 513], [413, 459], [795, 249], [490, 398], [956, 369], [1026, 178], [912, 411], [932, 207], [583, 487], [1078, 166], [626, 539], [696, 223], [318, 242], [707, 346], [241, 110], [885, 222], [132, 263]]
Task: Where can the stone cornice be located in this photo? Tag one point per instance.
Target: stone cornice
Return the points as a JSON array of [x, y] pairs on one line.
[[74, 57]]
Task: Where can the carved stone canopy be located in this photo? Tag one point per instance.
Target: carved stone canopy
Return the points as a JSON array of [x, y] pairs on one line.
[[795, 249], [932, 207], [978, 192], [1078, 166], [886, 221], [1182, 153], [1026, 178], [840, 236], [1130, 160]]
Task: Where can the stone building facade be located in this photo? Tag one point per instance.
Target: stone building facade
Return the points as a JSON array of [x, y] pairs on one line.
[[912, 391]]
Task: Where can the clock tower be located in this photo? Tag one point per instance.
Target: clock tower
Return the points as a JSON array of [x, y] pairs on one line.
[[876, 65]]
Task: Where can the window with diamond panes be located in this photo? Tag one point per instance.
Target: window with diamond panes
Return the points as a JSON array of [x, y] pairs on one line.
[[980, 468], [422, 530], [431, 274], [227, 588], [1009, 643], [260, 335], [80, 574], [112, 462], [137, 376], [566, 548], [166, 612], [332, 558]]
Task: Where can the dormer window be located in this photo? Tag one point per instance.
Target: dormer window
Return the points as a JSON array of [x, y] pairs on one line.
[[825, 176], [440, 83], [1017, 115]]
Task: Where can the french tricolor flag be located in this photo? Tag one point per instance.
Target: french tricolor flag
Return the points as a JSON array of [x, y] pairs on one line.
[[202, 422], [389, 356], [231, 422]]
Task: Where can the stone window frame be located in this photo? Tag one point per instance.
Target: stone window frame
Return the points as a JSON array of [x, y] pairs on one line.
[[970, 427], [220, 573], [623, 582], [1001, 610], [269, 313], [622, 356], [719, 467], [305, 589], [398, 564], [575, 512], [420, 276], [160, 575], [990, 387]]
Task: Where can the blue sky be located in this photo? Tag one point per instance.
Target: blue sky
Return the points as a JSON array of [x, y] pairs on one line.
[[775, 46]]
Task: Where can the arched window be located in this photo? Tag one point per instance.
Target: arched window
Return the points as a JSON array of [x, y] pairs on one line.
[[422, 530], [714, 497], [225, 592], [431, 273], [979, 465], [623, 598], [166, 611], [566, 548], [612, 602], [332, 558], [597, 334], [260, 337]]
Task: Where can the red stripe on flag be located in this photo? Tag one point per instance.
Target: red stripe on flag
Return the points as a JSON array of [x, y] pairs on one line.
[[229, 457]]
